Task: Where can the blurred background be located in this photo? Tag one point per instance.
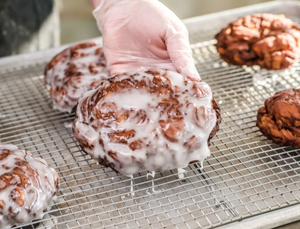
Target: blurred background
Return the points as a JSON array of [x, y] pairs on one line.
[[32, 25], [77, 22]]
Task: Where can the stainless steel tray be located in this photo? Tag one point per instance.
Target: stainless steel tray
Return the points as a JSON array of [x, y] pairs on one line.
[[247, 182]]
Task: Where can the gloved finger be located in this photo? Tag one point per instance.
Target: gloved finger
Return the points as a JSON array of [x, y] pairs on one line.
[[95, 3], [106, 9], [119, 61], [178, 46]]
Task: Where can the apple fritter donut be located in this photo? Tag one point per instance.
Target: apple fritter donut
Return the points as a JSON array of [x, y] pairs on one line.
[[26, 186], [279, 119], [270, 41], [73, 72], [147, 121]]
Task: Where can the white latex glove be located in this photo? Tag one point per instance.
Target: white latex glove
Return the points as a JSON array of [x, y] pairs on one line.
[[141, 35]]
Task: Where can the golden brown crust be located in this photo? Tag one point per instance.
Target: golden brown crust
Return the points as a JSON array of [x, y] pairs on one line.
[[270, 41], [217, 109], [279, 119]]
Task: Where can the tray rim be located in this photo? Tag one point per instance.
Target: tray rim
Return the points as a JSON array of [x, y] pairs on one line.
[[271, 219]]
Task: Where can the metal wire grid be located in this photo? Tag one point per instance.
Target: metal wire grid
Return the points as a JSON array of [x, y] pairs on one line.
[[246, 174]]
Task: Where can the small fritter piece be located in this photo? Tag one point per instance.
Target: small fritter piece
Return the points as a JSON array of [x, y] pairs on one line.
[[270, 41], [279, 119]]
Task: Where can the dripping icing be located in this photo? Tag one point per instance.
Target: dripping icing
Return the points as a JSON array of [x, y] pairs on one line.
[[181, 173]]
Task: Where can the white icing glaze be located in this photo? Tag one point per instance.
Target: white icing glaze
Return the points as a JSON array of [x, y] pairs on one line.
[[181, 173], [131, 186], [68, 125], [152, 174], [3, 115], [26, 186], [66, 90], [158, 152], [135, 100]]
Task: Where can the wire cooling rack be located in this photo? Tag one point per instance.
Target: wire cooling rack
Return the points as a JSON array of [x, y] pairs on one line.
[[246, 175]]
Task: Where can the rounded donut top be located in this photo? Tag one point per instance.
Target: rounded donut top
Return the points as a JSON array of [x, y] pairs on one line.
[[147, 121]]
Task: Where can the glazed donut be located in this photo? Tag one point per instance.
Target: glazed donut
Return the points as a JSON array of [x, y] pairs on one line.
[[74, 71], [26, 185], [147, 121], [270, 41]]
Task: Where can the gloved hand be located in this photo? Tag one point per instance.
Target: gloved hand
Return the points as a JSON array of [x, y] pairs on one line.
[[141, 35]]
